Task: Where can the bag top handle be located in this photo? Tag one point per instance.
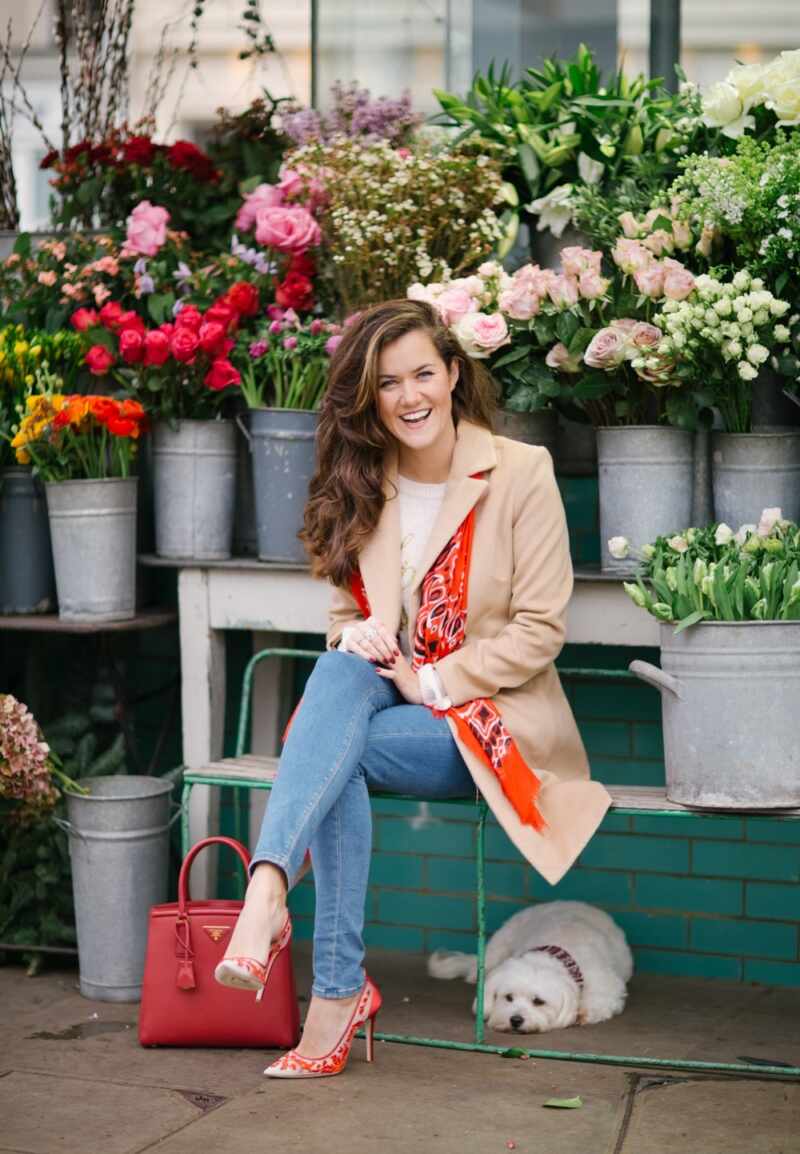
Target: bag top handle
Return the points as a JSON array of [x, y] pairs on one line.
[[183, 877]]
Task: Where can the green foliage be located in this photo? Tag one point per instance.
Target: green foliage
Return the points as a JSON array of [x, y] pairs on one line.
[[248, 145]]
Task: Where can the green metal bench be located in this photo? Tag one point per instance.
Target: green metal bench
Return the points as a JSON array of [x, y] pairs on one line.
[[251, 771]]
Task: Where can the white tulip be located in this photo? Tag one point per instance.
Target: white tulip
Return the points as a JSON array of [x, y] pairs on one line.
[[769, 519], [723, 535], [678, 543]]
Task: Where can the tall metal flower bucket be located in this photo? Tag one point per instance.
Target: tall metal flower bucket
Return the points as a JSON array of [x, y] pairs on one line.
[[194, 484], [645, 481], [119, 850], [729, 694], [531, 428], [755, 471], [282, 442], [27, 580], [93, 530]]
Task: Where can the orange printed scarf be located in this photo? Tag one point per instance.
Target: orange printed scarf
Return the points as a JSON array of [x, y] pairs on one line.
[[441, 629]]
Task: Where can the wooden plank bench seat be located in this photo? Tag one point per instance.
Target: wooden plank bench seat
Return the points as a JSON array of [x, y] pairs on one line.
[[254, 772]]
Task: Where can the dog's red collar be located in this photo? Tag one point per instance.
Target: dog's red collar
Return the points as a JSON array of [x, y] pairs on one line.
[[566, 958]]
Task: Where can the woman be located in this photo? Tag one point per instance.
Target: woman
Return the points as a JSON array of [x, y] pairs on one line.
[[413, 496]]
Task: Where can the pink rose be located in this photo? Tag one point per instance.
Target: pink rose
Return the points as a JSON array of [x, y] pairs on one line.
[[290, 229], [703, 246], [606, 349], [264, 196], [650, 280], [146, 229], [660, 372], [681, 234], [560, 359], [290, 183], [645, 336], [678, 281], [625, 325], [659, 242], [454, 303], [575, 260], [520, 302], [591, 285], [631, 256], [481, 334], [563, 290], [630, 225], [332, 343]]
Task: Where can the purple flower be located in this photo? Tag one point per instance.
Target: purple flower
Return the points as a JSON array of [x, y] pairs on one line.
[[183, 275], [176, 308], [146, 285], [140, 268], [290, 342], [258, 348]]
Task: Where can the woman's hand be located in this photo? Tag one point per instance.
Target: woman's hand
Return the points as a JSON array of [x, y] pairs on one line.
[[405, 679], [372, 640]]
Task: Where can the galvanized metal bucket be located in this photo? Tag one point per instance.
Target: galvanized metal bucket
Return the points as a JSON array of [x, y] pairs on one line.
[[645, 480], [194, 484], [531, 428], [119, 850], [576, 448], [755, 471], [27, 580], [729, 693], [93, 530], [282, 442]]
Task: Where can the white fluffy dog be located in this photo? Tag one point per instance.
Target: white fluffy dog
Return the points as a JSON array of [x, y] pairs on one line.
[[553, 965]]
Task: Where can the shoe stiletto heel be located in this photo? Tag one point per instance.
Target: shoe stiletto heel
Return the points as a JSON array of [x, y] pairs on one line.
[[294, 1065], [248, 974]]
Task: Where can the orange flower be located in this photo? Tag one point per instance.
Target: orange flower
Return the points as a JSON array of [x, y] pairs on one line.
[[120, 427], [103, 409]]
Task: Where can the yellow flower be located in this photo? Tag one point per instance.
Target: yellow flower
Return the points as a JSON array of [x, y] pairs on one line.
[[36, 350], [2, 357], [23, 457], [29, 379], [21, 348]]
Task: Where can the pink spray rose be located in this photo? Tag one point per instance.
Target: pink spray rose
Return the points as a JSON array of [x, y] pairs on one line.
[[645, 336], [520, 301], [659, 242], [264, 196], [454, 303], [575, 260], [678, 281], [290, 229], [290, 183], [146, 229], [591, 285], [630, 225], [560, 359], [631, 256], [563, 290], [480, 334], [606, 349], [650, 280]]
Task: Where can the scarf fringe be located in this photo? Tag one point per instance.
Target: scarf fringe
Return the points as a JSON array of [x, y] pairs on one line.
[[517, 780]]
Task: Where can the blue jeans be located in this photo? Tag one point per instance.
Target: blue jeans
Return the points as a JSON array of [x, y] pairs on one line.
[[353, 732]]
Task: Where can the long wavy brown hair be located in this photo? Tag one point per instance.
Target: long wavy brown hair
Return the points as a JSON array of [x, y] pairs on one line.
[[346, 492]]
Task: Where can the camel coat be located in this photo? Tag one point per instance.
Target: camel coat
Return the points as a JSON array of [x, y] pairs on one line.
[[520, 582]]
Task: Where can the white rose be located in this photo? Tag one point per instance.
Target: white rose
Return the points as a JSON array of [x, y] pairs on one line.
[[746, 371], [678, 543], [619, 547], [782, 91], [782, 334], [748, 80], [741, 281], [723, 108], [723, 535], [778, 308], [735, 348], [589, 170], [723, 307], [757, 354], [554, 210]]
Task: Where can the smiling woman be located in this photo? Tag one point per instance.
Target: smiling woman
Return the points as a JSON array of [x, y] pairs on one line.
[[448, 552]]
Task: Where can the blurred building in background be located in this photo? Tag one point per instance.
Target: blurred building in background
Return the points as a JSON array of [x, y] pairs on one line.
[[386, 45]]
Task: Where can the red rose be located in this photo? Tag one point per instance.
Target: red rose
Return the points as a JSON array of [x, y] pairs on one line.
[[99, 360], [188, 157], [167, 327], [222, 375], [139, 150], [243, 297], [76, 151], [302, 263], [189, 317], [131, 346], [295, 291], [110, 314], [156, 347], [222, 314], [183, 345], [83, 319], [130, 321], [49, 160], [101, 154], [212, 338]]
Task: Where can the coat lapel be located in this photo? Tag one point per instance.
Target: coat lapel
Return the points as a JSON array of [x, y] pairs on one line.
[[474, 453]]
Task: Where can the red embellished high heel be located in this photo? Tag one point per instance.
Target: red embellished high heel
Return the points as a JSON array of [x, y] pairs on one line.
[[249, 974], [294, 1065]]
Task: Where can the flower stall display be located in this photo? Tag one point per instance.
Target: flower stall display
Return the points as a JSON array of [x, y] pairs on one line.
[[283, 367], [98, 183], [755, 97], [181, 373], [729, 604], [83, 448], [580, 147], [29, 360], [31, 773], [353, 112]]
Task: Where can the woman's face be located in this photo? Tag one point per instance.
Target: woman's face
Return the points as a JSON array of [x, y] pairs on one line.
[[415, 391]]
